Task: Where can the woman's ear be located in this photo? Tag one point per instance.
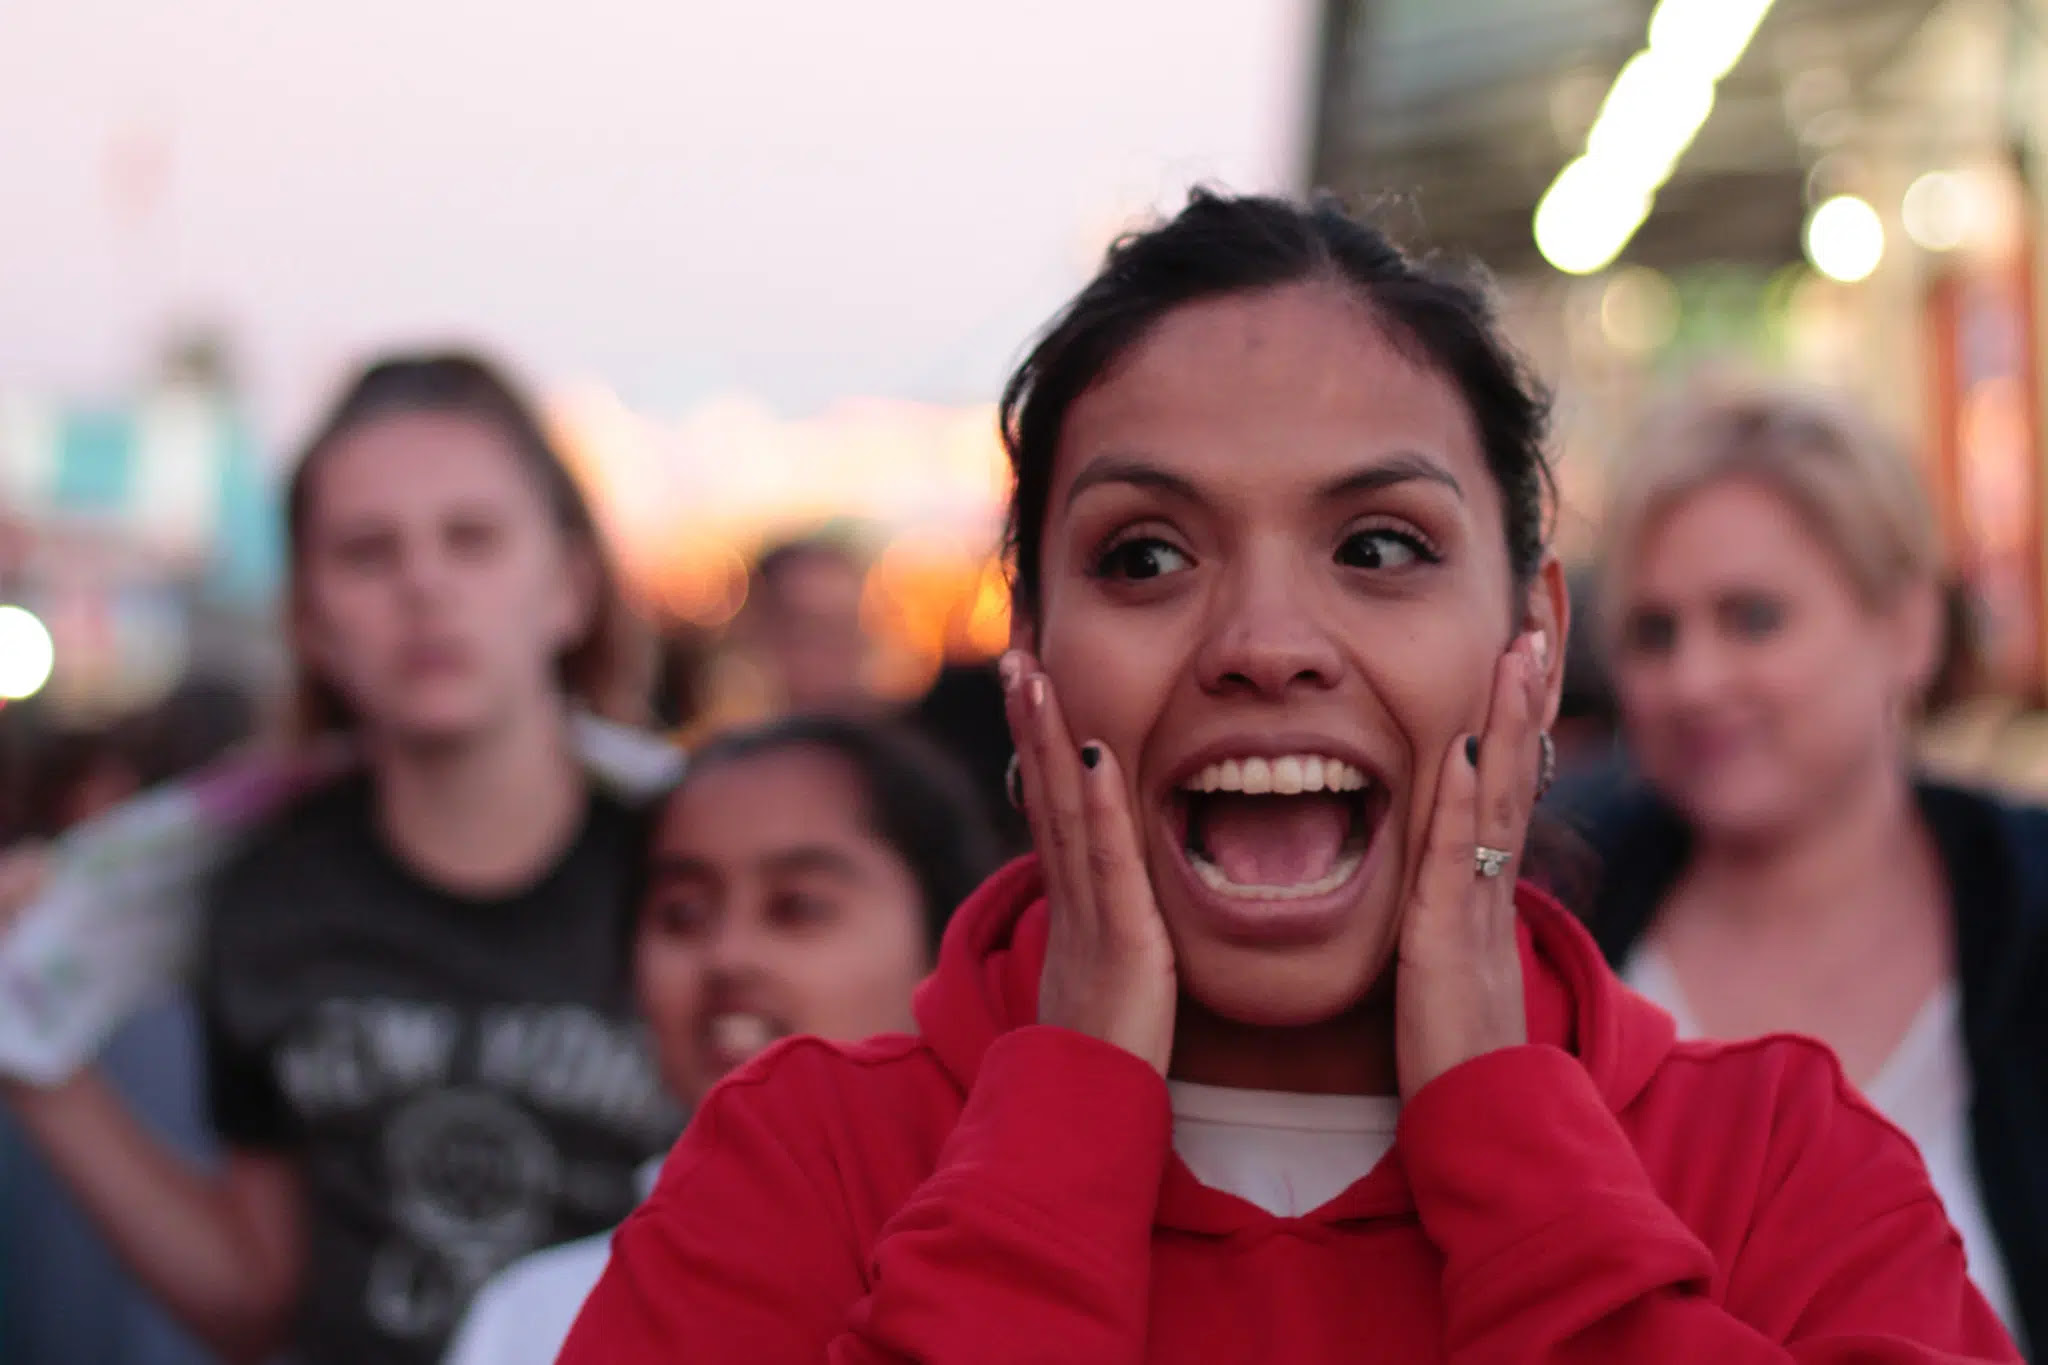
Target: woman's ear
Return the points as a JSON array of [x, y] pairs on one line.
[[1023, 628], [1919, 638], [1549, 610], [308, 641], [577, 597]]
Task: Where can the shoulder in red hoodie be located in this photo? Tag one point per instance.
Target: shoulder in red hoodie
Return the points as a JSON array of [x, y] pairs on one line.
[[995, 1190]]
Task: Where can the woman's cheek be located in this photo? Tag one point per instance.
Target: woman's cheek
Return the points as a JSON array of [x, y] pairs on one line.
[[671, 987], [1112, 673]]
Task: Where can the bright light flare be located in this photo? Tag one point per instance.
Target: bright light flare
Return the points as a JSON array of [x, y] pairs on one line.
[[1845, 239], [27, 654], [1650, 117], [1587, 217], [1708, 36], [1656, 107]]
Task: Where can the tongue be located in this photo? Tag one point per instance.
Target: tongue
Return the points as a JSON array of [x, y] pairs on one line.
[[1274, 840]]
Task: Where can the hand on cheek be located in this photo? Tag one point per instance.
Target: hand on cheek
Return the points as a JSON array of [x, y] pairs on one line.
[[1458, 991], [1108, 964]]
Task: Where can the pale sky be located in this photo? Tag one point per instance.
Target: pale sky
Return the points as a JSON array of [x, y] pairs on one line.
[[794, 200]]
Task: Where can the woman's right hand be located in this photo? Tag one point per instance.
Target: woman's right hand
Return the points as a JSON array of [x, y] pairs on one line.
[[1108, 961]]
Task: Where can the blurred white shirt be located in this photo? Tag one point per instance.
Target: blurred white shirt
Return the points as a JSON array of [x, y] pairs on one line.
[[1924, 1089], [523, 1315]]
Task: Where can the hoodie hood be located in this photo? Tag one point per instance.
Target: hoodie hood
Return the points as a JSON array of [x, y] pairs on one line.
[[986, 984]]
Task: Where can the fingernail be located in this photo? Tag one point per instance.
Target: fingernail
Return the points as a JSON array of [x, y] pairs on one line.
[[1091, 754], [1009, 667], [1035, 689], [1472, 750], [1539, 649]]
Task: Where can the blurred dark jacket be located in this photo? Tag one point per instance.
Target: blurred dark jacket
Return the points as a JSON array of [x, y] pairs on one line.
[[1996, 856]]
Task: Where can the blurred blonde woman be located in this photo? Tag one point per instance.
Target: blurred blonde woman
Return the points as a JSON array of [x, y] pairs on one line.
[[1772, 606]]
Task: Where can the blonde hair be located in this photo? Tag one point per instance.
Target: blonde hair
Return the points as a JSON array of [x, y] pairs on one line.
[[1855, 489]]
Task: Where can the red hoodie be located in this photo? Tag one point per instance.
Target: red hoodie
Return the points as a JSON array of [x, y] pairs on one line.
[[996, 1190]]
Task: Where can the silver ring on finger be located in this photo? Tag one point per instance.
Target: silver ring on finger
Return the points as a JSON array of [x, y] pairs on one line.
[[1013, 784], [1490, 862]]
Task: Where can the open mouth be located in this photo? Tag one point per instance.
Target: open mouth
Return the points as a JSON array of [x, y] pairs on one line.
[[733, 1037], [1285, 828]]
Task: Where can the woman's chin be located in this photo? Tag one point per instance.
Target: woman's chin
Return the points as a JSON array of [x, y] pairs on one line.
[[1291, 979], [1276, 992]]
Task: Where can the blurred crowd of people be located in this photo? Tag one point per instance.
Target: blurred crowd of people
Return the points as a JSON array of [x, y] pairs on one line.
[[455, 1006]]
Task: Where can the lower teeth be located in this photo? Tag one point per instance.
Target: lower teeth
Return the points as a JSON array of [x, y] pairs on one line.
[[1212, 877]]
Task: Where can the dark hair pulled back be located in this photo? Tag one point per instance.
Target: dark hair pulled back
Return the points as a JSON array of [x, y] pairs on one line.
[[1218, 245], [919, 801]]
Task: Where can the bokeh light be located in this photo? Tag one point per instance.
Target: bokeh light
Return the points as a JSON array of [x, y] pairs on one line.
[[27, 654], [1845, 239]]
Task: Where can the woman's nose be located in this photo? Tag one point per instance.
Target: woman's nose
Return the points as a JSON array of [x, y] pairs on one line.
[[1267, 640], [735, 949], [1696, 670]]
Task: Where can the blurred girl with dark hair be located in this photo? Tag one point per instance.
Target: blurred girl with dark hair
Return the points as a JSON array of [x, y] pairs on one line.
[[799, 882], [423, 1055]]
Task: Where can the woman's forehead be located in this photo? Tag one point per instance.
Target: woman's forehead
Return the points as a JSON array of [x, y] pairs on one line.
[[410, 458], [1301, 383], [760, 797]]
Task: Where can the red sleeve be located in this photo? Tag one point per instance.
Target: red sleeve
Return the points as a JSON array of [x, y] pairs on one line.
[[1558, 1248], [1031, 1240]]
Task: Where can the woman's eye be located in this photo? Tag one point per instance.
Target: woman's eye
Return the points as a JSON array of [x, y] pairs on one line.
[[367, 553], [1753, 616], [473, 537], [1147, 557], [1381, 549], [680, 916], [795, 910], [1651, 632]]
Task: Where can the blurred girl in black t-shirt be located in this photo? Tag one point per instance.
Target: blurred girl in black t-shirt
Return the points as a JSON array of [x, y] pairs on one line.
[[420, 1037]]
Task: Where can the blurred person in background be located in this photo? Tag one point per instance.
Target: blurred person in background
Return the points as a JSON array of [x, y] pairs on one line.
[[419, 1034], [802, 623], [1775, 621], [1268, 1054], [799, 882], [68, 1300]]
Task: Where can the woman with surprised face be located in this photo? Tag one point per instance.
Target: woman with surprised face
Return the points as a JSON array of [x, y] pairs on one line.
[[1265, 1055]]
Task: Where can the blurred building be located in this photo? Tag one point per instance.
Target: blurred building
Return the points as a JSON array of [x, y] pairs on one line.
[[142, 531], [1845, 190]]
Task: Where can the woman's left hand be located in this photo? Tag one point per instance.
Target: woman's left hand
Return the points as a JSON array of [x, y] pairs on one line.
[[1458, 986]]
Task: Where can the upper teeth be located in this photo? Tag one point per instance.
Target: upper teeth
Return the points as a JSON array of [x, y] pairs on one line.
[[1285, 776], [741, 1033]]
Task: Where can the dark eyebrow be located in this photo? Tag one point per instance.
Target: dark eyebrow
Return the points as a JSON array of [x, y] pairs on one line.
[[812, 858], [1403, 467], [671, 867], [1136, 472]]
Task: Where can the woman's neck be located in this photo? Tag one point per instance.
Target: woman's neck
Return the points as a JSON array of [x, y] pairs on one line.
[[1811, 871], [486, 814], [1352, 1054]]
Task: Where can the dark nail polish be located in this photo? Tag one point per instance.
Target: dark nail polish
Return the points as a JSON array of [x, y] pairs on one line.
[[1472, 750], [1091, 754]]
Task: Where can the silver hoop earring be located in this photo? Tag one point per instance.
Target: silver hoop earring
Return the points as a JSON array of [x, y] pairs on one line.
[[1546, 770], [1013, 784]]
